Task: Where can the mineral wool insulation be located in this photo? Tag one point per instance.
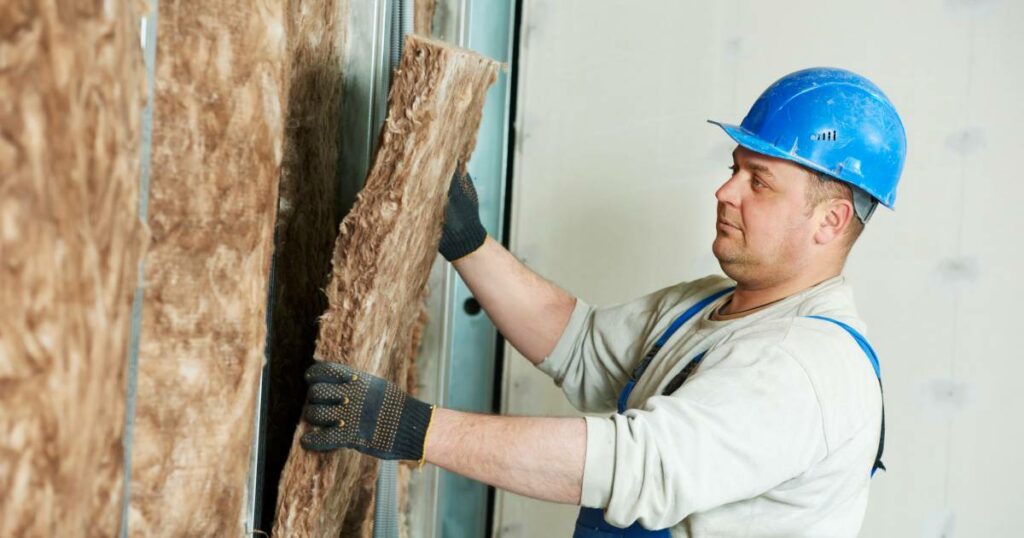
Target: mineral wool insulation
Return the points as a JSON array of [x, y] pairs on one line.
[[71, 243], [217, 145], [71, 82], [381, 261]]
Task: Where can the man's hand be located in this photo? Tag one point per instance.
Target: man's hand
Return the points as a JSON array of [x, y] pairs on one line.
[[353, 409], [462, 233], [529, 311], [537, 456]]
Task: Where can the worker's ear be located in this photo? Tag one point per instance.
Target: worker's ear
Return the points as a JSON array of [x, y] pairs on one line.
[[834, 217]]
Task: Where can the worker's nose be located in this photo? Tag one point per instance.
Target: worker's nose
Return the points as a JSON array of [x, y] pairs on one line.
[[729, 192]]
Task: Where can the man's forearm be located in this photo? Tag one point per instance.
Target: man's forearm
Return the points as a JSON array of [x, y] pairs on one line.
[[529, 311], [540, 457]]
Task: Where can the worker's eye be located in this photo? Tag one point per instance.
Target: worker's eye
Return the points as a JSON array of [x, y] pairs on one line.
[[733, 168], [757, 183]]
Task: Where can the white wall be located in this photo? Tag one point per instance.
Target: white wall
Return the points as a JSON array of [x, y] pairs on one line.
[[615, 171]]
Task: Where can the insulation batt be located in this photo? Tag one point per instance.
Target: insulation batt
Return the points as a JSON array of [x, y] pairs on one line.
[[381, 260], [423, 18], [71, 87], [217, 147]]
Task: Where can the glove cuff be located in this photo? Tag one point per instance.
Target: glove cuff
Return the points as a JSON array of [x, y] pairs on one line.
[[411, 435]]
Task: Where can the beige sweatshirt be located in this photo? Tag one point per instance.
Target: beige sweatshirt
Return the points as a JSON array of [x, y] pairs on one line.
[[773, 435]]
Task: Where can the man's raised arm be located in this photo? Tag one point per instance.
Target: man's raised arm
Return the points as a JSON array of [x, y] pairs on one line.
[[529, 311]]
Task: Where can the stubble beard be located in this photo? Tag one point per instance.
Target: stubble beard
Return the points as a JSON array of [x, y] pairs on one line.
[[735, 263]]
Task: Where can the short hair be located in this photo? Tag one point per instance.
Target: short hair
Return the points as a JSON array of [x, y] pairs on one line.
[[822, 188]]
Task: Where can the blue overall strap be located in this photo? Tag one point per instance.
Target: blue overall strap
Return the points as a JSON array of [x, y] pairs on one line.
[[676, 324], [870, 352], [591, 522]]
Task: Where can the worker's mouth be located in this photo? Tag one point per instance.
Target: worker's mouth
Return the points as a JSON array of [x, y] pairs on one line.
[[726, 225]]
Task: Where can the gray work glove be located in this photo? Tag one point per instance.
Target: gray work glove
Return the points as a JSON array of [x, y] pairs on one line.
[[462, 233], [353, 409]]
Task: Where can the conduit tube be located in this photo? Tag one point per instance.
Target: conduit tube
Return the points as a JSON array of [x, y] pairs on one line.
[[385, 502]]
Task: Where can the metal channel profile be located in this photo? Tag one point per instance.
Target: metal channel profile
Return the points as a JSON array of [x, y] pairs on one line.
[[471, 372], [147, 35], [366, 71], [432, 364], [457, 362]]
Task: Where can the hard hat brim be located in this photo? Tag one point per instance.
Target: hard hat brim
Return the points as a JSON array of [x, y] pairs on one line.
[[752, 142]]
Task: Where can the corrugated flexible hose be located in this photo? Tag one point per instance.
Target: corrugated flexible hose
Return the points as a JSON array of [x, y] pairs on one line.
[[385, 508]]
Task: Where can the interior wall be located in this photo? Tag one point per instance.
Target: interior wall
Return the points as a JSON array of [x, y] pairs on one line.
[[615, 173]]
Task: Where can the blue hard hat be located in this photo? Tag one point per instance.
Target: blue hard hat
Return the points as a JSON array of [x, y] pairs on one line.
[[832, 121]]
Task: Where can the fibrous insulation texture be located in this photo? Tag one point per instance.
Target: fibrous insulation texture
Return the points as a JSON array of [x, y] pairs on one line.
[[71, 86], [423, 18], [217, 149], [381, 260]]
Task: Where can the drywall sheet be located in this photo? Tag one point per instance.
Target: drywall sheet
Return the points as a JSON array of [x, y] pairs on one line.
[[938, 280], [217, 148], [307, 220], [384, 251], [70, 241]]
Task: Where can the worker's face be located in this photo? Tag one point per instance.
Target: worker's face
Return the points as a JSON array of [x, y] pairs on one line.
[[764, 232]]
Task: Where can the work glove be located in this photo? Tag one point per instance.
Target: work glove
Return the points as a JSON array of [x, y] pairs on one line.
[[353, 409], [462, 232]]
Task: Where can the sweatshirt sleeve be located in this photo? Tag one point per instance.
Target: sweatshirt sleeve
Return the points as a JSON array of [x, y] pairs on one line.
[[730, 433], [597, 350], [600, 346]]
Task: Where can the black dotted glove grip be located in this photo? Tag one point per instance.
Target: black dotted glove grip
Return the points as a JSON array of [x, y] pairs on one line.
[[462, 232], [353, 409]]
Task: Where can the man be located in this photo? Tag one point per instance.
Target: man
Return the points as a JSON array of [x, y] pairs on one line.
[[748, 406]]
